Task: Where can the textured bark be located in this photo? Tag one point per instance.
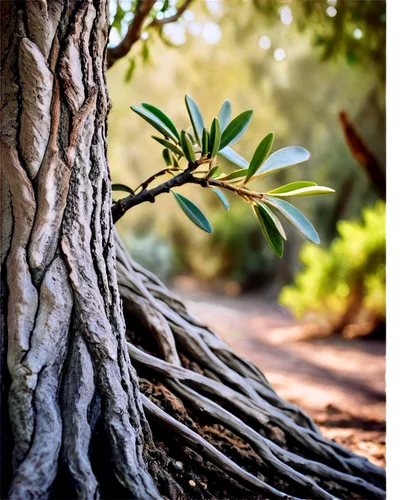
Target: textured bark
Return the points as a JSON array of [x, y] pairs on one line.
[[66, 353], [77, 385]]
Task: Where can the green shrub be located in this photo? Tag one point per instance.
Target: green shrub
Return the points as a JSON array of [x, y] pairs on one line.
[[345, 281]]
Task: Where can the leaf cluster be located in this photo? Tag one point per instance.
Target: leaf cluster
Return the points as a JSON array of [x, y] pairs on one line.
[[198, 148]]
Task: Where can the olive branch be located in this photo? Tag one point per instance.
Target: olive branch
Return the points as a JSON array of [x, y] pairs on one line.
[[192, 159]]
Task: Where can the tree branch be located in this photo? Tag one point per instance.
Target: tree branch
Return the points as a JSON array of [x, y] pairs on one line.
[[185, 177], [134, 33], [142, 11], [173, 18], [363, 155]]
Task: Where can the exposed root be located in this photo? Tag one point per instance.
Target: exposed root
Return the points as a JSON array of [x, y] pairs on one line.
[[233, 392]]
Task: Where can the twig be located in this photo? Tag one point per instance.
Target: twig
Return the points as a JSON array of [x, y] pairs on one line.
[[185, 177], [134, 32], [363, 155], [142, 11], [174, 17]]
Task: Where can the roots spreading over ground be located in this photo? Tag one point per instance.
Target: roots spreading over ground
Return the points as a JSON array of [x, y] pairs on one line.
[[223, 430]]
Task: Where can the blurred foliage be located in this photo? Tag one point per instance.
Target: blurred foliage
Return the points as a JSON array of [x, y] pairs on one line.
[[299, 97], [349, 276], [350, 28]]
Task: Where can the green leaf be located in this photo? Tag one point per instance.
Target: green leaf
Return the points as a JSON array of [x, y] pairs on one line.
[[193, 212], [154, 121], [285, 157], [195, 118], [212, 172], [224, 115], [215, 137], [166, 153], [192, 139], [168, 145], [231, 155], [222, 197], [130, 71], [262, 151], [187, 147], [205, 142], [295, 217], [291, 186], [275, 219], [121, 187], [145, 52], [163, 117], [236, 128], [269, 230], [236, 174], [305, 191]]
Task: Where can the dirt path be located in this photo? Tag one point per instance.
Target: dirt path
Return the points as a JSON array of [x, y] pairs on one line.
[[341, 383]]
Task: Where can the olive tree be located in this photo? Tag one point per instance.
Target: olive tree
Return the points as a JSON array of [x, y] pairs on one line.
[[110, 387]]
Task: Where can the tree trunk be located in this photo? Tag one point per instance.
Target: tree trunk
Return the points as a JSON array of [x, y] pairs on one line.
[[75, 414]]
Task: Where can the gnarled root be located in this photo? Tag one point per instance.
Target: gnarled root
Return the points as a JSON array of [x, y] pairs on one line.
[[205, 385]]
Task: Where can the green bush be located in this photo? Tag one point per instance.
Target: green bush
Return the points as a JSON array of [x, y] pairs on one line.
[[347, 279]]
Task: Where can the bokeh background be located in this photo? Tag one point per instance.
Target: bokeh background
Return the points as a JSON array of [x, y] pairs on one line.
[[318, 312], [297, 64]]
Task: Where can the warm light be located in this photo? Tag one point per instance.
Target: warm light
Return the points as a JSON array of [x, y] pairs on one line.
[[280, 55], [195, 28], [176, 33], [188, 16], [331, 11], [286, 15], [211, 33], [264, 42], [115, 37]]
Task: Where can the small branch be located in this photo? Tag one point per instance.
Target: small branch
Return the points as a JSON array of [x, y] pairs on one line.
[[173, 18], [143, 186], [134, 33], [143, 9], [363, 155], [185, 177]]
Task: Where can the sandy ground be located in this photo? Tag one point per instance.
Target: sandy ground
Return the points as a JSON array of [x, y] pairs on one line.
[[340, 383]]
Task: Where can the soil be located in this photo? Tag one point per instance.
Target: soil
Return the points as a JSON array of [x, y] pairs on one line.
[[339, 382]]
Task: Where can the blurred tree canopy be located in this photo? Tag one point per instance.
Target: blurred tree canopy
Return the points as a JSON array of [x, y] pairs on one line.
[[340, 28], [298, 64]]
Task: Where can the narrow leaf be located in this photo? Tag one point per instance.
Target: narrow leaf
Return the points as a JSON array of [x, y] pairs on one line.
[[291, 186], [215, 137], [168, 145], [195, 118], [236, 174], [193, 212], [285, 157], [305, 191], [166, 153], [275, 219], [231, 155], [192, 139], [154, 121], [262, 151], [222, 197], [269, 230], [294, 216], [187, 147], [205, 142], [225, 114], [236, 128], [212, 172], [163, 117], [121, 187]]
